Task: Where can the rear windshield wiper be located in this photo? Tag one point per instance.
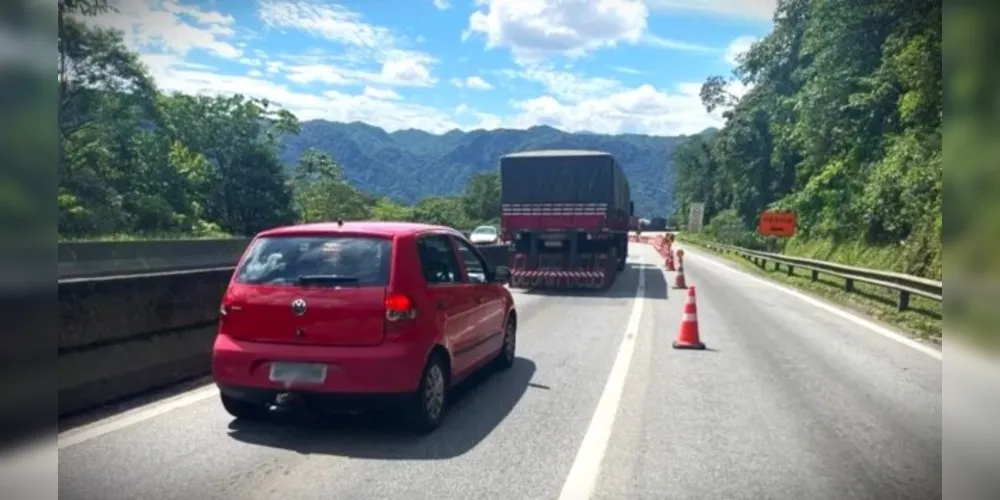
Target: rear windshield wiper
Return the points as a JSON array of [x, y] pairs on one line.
[[325, 279]]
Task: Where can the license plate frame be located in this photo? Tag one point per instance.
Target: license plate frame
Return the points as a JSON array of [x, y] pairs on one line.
[[286, 372]]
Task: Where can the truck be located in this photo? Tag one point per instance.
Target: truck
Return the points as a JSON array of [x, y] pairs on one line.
[[566, 214]]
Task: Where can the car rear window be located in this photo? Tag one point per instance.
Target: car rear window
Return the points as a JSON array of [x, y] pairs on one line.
[[346, 260]]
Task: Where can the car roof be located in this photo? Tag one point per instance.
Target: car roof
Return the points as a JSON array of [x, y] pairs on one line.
[[374, 228]]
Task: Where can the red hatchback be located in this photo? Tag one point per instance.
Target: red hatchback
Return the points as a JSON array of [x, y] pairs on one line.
[[358, 315]]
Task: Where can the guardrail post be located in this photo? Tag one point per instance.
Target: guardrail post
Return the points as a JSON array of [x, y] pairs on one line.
[[814, 275], [904, 300], [791, 270], [849, 284]]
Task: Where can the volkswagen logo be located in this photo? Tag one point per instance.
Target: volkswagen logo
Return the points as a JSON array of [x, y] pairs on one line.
[[298, 307]]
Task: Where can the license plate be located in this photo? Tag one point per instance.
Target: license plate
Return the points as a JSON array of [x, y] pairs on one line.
[[307, 373], [553, 243]]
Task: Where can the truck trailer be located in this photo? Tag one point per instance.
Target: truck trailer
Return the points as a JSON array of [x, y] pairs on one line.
[[566, 215]]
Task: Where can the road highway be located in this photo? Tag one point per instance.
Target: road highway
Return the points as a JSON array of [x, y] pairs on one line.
[[793, 399]]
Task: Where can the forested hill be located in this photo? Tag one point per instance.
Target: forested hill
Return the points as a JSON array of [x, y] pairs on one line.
[[842, 126], [410, 165]]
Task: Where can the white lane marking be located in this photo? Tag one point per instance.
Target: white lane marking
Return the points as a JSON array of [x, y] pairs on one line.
[[134, 416], [582, 477], [858, 320]]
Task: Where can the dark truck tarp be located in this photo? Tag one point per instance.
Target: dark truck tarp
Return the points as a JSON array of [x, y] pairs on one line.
[[564, 177]]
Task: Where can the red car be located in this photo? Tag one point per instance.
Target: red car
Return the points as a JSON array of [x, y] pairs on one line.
[[358, 316]]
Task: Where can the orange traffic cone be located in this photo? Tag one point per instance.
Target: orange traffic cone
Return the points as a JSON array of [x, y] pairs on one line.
[[679, 282], [688, 337], [670, 262]]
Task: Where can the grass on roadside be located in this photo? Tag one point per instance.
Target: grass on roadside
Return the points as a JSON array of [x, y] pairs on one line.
[[923, 319]]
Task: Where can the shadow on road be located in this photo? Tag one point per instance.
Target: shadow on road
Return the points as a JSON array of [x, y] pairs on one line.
[[477, 406]]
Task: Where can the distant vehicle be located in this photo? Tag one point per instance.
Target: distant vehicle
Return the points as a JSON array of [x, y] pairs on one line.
[[484, 235], [357, 316], [567, 216]]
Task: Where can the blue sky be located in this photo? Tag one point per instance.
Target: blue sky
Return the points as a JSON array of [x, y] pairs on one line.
[[607, 66]]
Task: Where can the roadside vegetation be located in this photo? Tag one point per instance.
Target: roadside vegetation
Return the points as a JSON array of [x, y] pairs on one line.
[[842, 126], [139, 163]]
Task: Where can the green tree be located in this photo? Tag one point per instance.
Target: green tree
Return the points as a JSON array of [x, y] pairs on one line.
[[322, 194], [841, 125], [481, 199]]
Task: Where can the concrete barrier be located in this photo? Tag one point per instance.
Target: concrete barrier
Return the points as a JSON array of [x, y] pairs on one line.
[[117, 258], [123, 335], [108, 258]]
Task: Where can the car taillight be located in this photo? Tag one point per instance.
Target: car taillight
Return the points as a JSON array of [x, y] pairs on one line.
[[399, 307]]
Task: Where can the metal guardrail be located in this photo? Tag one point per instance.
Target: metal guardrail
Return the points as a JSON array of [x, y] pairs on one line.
[[904, 284]]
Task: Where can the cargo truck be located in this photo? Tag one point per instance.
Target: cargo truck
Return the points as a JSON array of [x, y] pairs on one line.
[[566, 215]]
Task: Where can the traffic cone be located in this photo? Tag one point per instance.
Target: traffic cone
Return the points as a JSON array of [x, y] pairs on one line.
[[679, 282], [688, 337], [670, 262]]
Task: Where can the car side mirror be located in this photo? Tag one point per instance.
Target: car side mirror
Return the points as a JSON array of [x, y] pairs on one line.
[[501, 274]]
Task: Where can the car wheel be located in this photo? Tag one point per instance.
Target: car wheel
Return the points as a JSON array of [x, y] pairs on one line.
[[244, 410], [505, 359], [427, 406]]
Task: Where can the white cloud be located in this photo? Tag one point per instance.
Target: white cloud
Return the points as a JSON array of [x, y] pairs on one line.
[[363, 44], [442, 4], [668, 43], [382, 94], [380, 107], [756, 10], [472, 82], [737, 48], [627, 70], [537, 28], [165, 26], [569, 86], [642, 110], [395, 73]]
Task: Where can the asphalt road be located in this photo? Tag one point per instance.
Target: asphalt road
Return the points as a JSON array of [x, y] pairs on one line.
[[792, 400]]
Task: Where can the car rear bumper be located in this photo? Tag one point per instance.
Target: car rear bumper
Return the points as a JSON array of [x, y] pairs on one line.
[[322, 401], [388, 369]]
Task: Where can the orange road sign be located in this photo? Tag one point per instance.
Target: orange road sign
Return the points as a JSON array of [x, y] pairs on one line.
[[781, 224]]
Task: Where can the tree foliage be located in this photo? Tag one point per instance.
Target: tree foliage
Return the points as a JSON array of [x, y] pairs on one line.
[[138, 161], [842, 124]]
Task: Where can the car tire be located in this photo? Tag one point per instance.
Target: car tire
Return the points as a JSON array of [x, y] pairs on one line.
[[505, 358], [244, 410], [427, 406]]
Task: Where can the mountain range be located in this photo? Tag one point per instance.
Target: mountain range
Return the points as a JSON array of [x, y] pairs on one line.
[[409, 165]]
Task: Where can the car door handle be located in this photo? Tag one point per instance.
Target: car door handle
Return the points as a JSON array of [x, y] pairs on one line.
[[480, 300], [443, 304]]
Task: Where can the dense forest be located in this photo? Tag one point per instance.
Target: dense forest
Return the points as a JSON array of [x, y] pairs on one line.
[[842, 125], [410, 165]]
